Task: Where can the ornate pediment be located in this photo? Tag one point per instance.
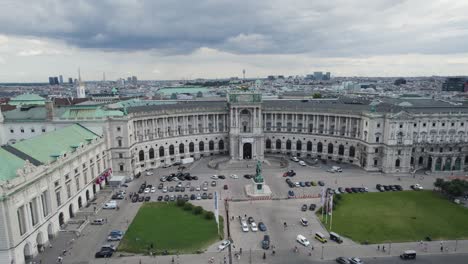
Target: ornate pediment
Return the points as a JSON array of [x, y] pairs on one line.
[[27, 168], [401, 115]]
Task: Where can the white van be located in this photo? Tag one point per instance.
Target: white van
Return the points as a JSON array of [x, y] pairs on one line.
[[302, 240], [112, 204], [302, 163], [337, 169]]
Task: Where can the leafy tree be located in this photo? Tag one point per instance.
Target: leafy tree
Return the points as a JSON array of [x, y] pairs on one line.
[[180, 203], [188, 207], [209, 215], [173, 96], [198, 210], [317, 95], [439, 183]]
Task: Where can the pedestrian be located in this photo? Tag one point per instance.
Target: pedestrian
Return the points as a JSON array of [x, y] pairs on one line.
[[383, 248], [264, 255], [240, 251], [94, 208], [245, 215], [378, 247], [441, 248], [312, 247], [59, 259]]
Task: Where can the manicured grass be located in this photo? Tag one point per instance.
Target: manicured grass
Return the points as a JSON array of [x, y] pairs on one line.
[[398, 217], [169, 228]]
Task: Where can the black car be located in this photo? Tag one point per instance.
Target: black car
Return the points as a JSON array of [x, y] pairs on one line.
[[194, 178], [182, 189], [160, 198], [193, 197], [222, 177], [377, 186], [312, 207], [387, 188], [250, 220], [118, 196], [354, 190], [262, 226], [171, 189], [166, 198], [188, 177], [308, 184], [135, 198], [321, 183], [179, 197], [147, 198], [204, 196], [342, 260], [248, 176], [104, 253], [160, 186], [304, 207], [399, 188], [141, 190], [266, 242], [361, 190], [141, 198], [186, 198]]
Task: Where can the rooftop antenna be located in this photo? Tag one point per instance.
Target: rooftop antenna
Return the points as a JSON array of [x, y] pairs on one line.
[[243, 73], [79, 76]]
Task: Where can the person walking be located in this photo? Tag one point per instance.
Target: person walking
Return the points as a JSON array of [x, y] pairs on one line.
[[378, 247]]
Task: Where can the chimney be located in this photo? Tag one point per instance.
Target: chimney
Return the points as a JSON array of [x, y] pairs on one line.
[[49, 105]]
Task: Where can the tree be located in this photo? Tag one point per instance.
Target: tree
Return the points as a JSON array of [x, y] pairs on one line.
[[180, 203], [439, 183], [173, 96], [188, 207], [317, 95], [199, 94], [209, 215], [198, 210]]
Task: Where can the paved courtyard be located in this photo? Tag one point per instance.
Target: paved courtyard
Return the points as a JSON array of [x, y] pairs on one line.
[[274, 213]]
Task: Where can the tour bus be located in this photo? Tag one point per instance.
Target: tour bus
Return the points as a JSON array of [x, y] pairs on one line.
[[320, 237], [408, 254], [335, 237]]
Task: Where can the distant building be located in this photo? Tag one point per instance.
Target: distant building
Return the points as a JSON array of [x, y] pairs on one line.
[[318, 76], [400, 81], [327, 76], [60, 79], [56, 80], [81, 89], [129, 79], [51, 80], [271, 77], [134, 79], [455, 84], [70, 80]]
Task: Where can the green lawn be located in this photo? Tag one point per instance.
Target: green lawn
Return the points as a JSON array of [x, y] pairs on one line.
[[169, 228], [398, 217]]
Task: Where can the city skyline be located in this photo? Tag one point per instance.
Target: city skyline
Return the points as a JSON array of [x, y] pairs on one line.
[[170, 40]]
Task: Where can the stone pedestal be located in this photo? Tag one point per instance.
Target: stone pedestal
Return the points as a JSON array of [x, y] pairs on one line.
[[256, 190]]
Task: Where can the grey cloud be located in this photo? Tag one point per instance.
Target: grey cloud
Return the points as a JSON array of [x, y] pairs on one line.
[[322, 28]]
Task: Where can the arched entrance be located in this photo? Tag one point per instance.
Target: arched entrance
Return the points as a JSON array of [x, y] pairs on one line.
[[80, 204], [87, 196], [247, 151], [70, 211], [94, 189], [429, 163], [40, 242], [50, 231], [27, 252], [61, 220]]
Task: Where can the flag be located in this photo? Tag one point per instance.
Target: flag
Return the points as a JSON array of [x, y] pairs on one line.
[[330, 207], [322, 197], [216, 209]]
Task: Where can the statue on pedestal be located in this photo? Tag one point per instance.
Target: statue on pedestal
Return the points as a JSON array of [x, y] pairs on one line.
[[258, 177]]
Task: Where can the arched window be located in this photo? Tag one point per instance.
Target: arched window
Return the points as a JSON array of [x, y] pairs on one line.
[[151, 153], [330, 148], [141, 155], [211, 145], [201, 146], [298, 145], [352, 151], [319, 147], [191, 147], [278, 144], [268, 143], [288, 144], [309, 146], [221, 145], [397, 163], [341, 150], [181, 148], [171, 150], [161, 151]]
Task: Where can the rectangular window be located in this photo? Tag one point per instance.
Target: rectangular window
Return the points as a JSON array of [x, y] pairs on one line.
[[45, 203], [378, 125], [58, 198], [118, 129], [121, 167], [376, 162], [77, 182], [424, 124], [21, 220], [376, 150], [22, 130], [377, 139], [43, 130], [33, 211], [68, 191], [12, 131], [56, 183], [399, 152], [85, 173], [119, 142], [32, 130], [120, 155]]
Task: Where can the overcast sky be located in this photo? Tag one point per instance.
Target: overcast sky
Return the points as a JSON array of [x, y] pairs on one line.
[[159, 39]]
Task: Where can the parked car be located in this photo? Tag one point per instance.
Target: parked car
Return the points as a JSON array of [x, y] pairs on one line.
[[250, 220], [147, 198], [215, 177], [244, 226], [141, 198], [98, 221], [304, 208], [313, 183], [266, 242], [304, 222], [210, 196], [224, 244], [160, 198], [253, 227], [104, 253], [112, 204], [312, 207], [290, 194], [302, 184], [153, 189], [147, 190], [166, 198], [193, 197], [321, 183], [302, 163], [262, 226], [204, 196], [234, 176], [307, 184], [213, 183], [222, 177], [160, 186], [355, 260], [248, 176], [295, 159], [342, 260]]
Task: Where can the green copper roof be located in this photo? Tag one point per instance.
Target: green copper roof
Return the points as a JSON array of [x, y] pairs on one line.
[[35, 113], [57, 142], [89, 112], [27, 99], [180, 90], [9, 163]]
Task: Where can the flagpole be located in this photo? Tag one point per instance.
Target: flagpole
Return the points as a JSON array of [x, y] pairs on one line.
[[323, 202], [331, 212], [326, 209]]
